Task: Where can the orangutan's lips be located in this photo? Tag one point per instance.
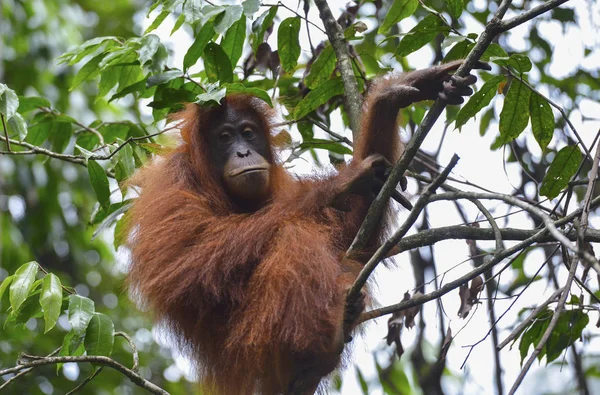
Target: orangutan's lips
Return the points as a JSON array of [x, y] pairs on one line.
[[246, 170]]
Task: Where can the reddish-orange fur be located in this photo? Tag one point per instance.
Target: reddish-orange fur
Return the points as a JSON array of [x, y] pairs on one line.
[[257, 298], [252, 297]]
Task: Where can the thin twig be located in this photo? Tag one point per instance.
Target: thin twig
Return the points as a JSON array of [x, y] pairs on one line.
[[280, 4], [5, 133], [34, 149], [85, 381], [15, 377], [134, 351], [530, 14], [25, 371], [78, 159], [97, 359]]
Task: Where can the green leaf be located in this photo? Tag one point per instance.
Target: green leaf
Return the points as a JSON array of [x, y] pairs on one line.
[[4, 286], [9, 102], [459, 51], [178, 23], [569, 328], [321, 69], [251, 7], [154, 148], [59, 135], [479, 100], [149, 46], [125, 166], [225, 20], [563, 167], [328, 145], [38, 133], [30, 103], [485, 120], [129, 76], [494, 50], [217, 64], [110, 218], [157, 21], [424, 32], [261, 25], [518, 62], [318, 97], [81, 310], [233, 42], [211, 97], [22, 284], [99, 182], [193, 10], [351, 32], [160, 58], [100, 335], [455, 7], [30, 308], [257, 92], [102, 214], [196, 50], [542, 120], [162, 78], [89, 71], [514, 116], [288, 43], [534, 333], [363, 383], [86, 49], [72, 346], [398, 11], [394, 379], [133, 88], [108, 79], [51, 300], [18, 124], [120, 233]]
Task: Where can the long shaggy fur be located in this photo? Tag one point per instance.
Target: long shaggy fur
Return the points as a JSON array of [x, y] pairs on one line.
[[249, 296]]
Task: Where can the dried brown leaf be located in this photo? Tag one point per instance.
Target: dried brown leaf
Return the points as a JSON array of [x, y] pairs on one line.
[[446, 344]]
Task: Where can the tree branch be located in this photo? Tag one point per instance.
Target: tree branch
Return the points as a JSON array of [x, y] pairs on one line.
[[100, 360], [397, 236], [528, 15], [34, 149], [421, 299], [352, 95], [461, 232], [378, 206], [549, 224]]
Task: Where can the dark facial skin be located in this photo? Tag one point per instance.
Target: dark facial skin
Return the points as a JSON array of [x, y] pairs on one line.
[[240, 151]]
